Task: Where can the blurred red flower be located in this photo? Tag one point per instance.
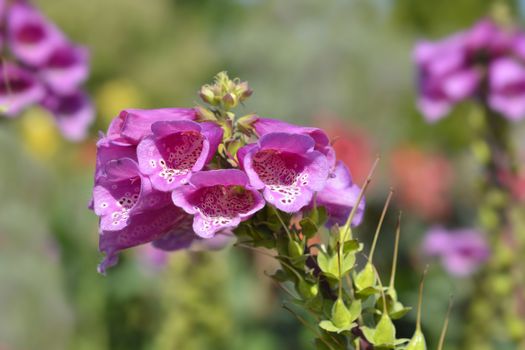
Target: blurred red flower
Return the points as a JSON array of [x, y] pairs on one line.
[[422, 181]]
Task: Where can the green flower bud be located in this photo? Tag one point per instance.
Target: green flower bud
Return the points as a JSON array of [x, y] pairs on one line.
[[307, 290], [207, 95]]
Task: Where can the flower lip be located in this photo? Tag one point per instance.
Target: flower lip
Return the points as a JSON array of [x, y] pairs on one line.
[[175, 150], [287, 168], [219, 199]]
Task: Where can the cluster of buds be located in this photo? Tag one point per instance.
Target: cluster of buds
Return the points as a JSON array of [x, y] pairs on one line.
[[41, 66], [485, 63], [168, 177], [225, 93]]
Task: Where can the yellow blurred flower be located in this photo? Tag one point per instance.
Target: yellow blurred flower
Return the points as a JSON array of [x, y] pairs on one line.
[[115, 95], [39, 132]]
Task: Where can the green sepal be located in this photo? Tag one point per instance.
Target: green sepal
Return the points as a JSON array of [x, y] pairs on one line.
[[352, 245], [328, 326], [383, 336], [385, 332], [417, 342], [366, 278]]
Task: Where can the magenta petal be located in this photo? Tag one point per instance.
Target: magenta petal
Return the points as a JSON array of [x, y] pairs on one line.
[[339, 197], [66, 68], [136, 123], [180, 237], [462, 84], [293, 143], [220, 199], [142, 228], [32, 37], [507, 88], [174, 151], [226, 177], [434, 109], [108, 149], [19, 89], [288, 178], [243, 151], [73, 113], [214, 134]]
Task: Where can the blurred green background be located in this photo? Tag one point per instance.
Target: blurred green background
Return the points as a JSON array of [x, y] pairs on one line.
[[341, 65]]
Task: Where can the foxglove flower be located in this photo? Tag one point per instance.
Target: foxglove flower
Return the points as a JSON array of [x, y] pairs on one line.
[[32, 38], [444, 76], [507, 88], [73, 113], [19, 89], [287, 168], [175, 150], [339, 197], [265, 126], [462, 251], [135, 124], [218, 199], [66, 68]]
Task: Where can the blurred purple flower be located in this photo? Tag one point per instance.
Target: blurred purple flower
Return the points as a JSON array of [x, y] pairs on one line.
[[31, 36], [461, 251], [66, 68], [218, 199], [73, 113], [507, 88], [287, 169], [339, 197], [175, 150], [445, 76], [456, 68], [19, 89]]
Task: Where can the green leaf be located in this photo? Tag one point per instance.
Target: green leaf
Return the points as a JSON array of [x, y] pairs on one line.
[[280, 276], [295, 252], [366, 278], [385, 333], [417, 342], [308, 227]]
